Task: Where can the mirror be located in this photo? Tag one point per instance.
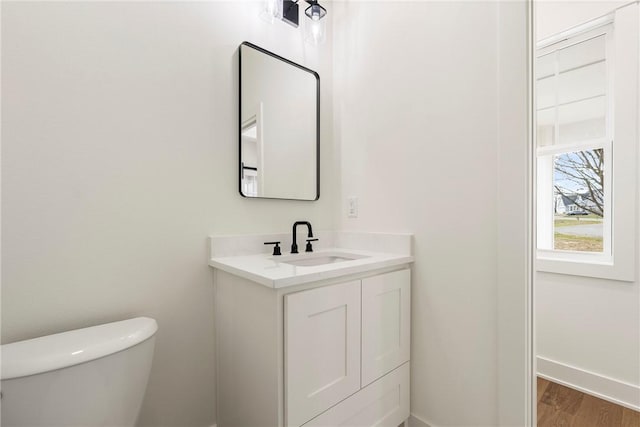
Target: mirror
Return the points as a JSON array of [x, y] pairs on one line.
[[279, 127]]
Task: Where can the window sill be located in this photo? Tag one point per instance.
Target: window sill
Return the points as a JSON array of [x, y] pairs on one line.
[[585, 265]]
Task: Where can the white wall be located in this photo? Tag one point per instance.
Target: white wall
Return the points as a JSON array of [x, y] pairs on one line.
[[119, 158], [590, 325], [514, 217], [555, 16], [416, 123]]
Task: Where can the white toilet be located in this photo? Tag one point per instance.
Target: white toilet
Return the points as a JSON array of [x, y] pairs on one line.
[[87, 377]]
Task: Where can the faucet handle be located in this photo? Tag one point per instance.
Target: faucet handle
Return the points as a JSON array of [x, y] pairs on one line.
[[276, 248], [309, 247]]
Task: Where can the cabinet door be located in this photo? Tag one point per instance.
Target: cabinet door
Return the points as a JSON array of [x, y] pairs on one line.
[[322, 349], [386, 323]]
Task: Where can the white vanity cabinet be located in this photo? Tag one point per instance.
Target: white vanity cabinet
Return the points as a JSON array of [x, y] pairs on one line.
[[328, 353]]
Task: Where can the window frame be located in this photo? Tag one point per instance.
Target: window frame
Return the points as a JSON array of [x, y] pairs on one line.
[[617, 261]]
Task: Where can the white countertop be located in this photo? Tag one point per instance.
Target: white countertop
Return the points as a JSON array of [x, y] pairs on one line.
[[270, 271]]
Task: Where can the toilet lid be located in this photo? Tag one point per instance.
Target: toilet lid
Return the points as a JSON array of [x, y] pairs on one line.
[[38, 355]]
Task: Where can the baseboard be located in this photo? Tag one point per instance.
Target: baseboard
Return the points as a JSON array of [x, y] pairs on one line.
[[415, 421], [618, 392]]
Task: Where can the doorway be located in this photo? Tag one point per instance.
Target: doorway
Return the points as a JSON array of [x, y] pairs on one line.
[[586, 147]]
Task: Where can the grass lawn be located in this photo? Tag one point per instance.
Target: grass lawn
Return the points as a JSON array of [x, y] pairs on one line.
[[561, 222], [568, 242], [564, 220]]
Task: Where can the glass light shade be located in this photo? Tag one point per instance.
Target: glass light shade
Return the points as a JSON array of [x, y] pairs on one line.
[[271, 10], [315, 31]]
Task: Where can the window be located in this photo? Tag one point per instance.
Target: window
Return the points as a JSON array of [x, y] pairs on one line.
[[574, 139], [586, 110]]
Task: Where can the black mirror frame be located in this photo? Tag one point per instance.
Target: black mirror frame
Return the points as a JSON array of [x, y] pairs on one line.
[[317, 76]]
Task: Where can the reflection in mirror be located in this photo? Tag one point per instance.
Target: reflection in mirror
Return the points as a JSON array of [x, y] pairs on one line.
[[279, 127], [250, 140]]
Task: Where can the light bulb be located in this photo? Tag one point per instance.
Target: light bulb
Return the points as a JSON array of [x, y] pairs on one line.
[[315, 11]]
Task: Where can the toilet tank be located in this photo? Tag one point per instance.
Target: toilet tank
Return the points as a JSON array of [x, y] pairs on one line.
[[94, 376]]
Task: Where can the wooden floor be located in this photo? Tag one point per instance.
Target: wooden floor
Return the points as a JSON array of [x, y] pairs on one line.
[[560, 406]]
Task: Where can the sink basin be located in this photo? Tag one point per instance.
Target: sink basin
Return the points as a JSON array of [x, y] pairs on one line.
[[310, 260]]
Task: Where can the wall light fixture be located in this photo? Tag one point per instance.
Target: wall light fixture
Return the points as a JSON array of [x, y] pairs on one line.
[[289, 12]]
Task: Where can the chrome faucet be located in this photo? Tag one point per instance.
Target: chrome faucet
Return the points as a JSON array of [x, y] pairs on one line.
[[294, 244]]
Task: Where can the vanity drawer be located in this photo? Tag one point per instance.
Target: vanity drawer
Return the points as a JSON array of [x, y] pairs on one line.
[[384, 403]]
